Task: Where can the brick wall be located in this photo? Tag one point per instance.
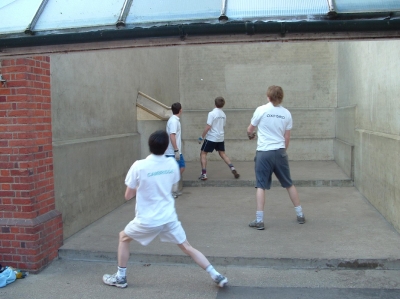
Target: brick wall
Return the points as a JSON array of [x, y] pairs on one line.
[[31, 228]]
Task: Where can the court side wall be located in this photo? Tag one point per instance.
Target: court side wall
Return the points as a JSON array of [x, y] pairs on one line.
[[95, 132], [241, 73], [368, 100]]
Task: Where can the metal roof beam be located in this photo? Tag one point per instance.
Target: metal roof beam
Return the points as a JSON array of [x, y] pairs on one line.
[[332, 8], [223, 16], [29, 29], [124, 13]]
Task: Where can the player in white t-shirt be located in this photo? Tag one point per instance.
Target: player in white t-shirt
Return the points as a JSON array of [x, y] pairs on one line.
[[151, 180], [174, 132], [213, 136], [274, 123]]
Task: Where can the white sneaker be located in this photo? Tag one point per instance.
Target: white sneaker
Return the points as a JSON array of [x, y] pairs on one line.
[[114, 280], [176, 194], [203, 177]]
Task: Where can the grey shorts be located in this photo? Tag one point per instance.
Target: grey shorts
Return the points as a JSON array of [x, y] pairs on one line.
[[171, 232], [269, 162]]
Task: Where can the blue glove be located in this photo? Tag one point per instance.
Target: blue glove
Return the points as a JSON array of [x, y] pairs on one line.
[[200, 139]]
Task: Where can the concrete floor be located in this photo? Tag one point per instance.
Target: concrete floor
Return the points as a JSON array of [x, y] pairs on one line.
[[346, 249], [343, 230]]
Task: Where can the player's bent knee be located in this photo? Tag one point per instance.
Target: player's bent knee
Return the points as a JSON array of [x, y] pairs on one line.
[[124, 237]]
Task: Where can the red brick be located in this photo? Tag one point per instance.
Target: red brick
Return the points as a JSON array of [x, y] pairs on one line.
[[5, 187], [5, 91], [5, 121], [5, 105], [6, 237], [4, 172], [5, 155], [24, 215], [27, 251], [7, 193], [6, 152], [16, 258], [14, 69], [22, 201]]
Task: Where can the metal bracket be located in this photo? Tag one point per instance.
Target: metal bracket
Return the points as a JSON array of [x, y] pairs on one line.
[[3, 81]]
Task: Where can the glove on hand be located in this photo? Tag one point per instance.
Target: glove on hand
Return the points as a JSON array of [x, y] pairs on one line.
[[200, 139], [252, 136], [177, 155]]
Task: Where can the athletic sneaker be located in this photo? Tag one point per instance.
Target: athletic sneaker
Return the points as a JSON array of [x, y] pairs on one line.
[[176, 194], [113, 280], [235, 174], [257, 225], [221, 281], [203, 177], [301, 219]]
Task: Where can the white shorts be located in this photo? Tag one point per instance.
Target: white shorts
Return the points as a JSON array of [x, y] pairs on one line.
[[171, 232]]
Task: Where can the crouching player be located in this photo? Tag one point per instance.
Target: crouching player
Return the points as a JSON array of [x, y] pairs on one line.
[[151, 181]]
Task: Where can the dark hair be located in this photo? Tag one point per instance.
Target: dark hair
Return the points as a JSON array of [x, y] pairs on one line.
[[176, 107], [158, 142], [275, 94], [219, 102]]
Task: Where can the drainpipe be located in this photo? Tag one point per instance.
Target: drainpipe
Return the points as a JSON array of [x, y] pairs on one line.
[[124, 13], [29, 29], [223, 16]]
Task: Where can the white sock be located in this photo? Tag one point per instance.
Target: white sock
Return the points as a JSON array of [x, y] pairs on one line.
[[260, 216], [299, 210], [213, 273], [121, 272]]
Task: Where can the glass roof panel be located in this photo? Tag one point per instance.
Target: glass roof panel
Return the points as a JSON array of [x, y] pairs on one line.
[[63, 14], [357, 6], [145, 11], [16, 15], [242, 9]]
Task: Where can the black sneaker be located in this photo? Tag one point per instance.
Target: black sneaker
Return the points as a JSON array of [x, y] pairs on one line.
[[114, 280], [257, 225], [301, 219], [221, 281]]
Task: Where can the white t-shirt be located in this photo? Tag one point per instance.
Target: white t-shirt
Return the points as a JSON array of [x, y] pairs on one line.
[[272, 122], [217, 120], [153, 178], [174, 127]]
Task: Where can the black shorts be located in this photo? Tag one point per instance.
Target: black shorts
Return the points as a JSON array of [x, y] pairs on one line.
[[209, 146], [269, 162]]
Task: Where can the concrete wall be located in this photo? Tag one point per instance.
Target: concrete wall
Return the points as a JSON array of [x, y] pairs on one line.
[[95, 132], [369, 92], [242, 73], [342, 97]]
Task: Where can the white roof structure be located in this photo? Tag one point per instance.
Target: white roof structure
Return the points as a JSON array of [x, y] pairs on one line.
[[20, 20]]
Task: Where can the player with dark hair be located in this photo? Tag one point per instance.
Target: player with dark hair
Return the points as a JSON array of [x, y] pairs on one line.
[[213, 136], [151, 181], [174, 148]]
